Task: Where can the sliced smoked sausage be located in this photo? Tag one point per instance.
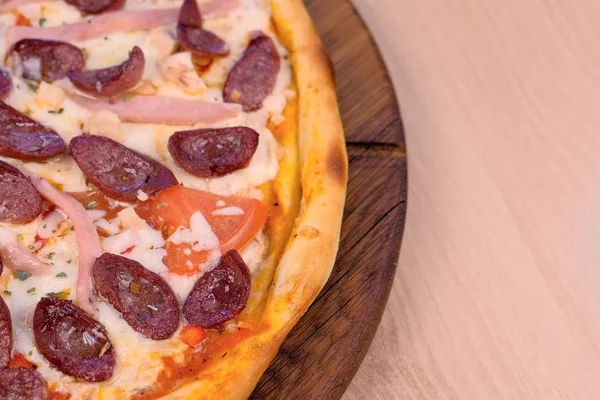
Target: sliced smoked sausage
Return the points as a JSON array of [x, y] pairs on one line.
[[72, 341], [193, 37], [46, 60], [5, 334], [96, 6], [22, 384], [24, 139], [118, 171], [220, 294], [210, 153], [112, 80], [5, 84], [145, 300], [253, 77], [21, 202]]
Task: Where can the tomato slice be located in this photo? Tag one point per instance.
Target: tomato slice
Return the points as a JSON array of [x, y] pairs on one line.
[[96, 200], [19, 360], [173, 207]]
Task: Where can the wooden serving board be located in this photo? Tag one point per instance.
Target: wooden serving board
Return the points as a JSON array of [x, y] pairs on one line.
[[323, 352]]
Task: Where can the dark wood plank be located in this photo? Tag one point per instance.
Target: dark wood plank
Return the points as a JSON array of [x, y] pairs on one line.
[[323, 352]]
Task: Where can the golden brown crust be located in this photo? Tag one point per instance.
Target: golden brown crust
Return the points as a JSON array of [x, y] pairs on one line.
[[310, 253]]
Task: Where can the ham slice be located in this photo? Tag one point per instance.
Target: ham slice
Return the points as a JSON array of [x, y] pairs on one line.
[[88, 241], [112, 22], [161, 110], [16, 257], [9, 5]]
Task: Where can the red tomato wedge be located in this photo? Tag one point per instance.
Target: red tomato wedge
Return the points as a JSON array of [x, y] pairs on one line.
[[173, 207]]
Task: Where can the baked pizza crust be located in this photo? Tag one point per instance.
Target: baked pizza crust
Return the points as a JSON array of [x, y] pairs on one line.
[[310, 252]]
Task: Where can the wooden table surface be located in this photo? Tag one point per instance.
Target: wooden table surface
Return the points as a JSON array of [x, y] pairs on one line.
[[498, 285]]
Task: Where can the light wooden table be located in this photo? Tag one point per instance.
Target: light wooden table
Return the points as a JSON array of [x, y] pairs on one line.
[[497, 294]]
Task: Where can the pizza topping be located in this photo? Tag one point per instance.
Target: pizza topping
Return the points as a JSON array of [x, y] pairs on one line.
[[24, 139], [5, 84], [96, 6], [253, 78], [162, 110], [144, 299], [193, 335], [24, 264], [220, 294], [20, 203], [88, 242], [118, 171], [5, 334], [45, 60], [50, 95], [9, 5], [113, 22], [209, 153], [112, 80], [106, 24], [105, 123], [179, 69], [193, 37], [72, 341], [174, 207], [22, 384], [19, 360]]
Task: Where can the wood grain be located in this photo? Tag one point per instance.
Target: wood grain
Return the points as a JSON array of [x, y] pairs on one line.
[[322, 353], [497, 292]]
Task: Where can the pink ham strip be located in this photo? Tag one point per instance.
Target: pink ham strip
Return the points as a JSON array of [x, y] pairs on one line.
[[9, 5], [105, 24], [162, 110], [17, 257], [88, 241]]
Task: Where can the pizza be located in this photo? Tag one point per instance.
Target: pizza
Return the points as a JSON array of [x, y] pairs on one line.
[[172, 182]]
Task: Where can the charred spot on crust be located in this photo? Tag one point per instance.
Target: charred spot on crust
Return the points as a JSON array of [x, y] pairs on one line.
[[336, 164]]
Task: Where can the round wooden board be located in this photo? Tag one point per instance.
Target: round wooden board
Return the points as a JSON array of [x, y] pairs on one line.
[[323, 352]]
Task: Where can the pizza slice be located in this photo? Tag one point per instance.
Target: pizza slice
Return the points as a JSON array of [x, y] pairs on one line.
[[172, 182]]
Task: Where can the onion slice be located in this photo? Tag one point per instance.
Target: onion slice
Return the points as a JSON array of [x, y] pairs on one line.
[[88, 241], [17, 258]]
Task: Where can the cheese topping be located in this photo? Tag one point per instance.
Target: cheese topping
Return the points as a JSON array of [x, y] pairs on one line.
[[51, 238]]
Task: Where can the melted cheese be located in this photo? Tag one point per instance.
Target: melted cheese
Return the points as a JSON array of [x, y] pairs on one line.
[[138, 358]]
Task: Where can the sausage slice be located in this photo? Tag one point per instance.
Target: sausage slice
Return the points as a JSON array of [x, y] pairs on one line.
[[20, 202], [117, 171], [144, 299], [209, 153], [25, 139], [72, 341], [220, 294]]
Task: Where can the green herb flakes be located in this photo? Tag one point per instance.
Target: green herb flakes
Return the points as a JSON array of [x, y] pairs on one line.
[[62, 275], [31, 291], [33, 86], [22, 275]]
